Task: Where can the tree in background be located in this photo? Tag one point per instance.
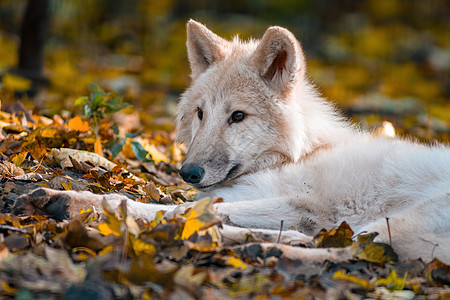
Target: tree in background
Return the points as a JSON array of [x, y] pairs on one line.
[[32, 41]]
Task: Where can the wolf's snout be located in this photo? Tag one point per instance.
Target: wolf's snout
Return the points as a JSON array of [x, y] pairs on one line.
[[192, 173]]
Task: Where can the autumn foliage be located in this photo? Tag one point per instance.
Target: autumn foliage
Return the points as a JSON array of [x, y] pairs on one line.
[[115, 255], [379, 60]]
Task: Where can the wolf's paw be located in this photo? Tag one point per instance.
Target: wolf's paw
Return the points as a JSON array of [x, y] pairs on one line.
[[44, 201]]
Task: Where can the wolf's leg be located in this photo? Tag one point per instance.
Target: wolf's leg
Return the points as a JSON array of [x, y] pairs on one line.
[[420, 231], [296, 213], [237, 235], [67, 204]]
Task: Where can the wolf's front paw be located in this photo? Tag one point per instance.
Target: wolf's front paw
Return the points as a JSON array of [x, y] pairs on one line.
[[44, 201]]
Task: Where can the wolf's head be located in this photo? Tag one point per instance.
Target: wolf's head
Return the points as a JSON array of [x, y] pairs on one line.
[[241, 113]]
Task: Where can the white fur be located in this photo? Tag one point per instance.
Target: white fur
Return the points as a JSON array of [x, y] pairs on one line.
[[334, 172]]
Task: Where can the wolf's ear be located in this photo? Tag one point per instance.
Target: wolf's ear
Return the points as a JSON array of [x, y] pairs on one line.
[[203, 47], [279, 58]]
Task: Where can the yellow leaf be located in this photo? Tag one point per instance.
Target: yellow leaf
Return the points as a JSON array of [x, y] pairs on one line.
[[87, 215], [88, 210], [236, 263], [159, 219], [49, 132], [366, 249], [67, 185], [199, 217], [8, 289], [191, 226], [362, 282], [106, 250], [82, 256], [18, 158], [207, 240], [114, 225], [15, 83], [141, 247], [155, 153], [78, 124], [83, 253], [127, 149], [98, 147], [106, 230], [392, 281], [146, 296], [340, 237]]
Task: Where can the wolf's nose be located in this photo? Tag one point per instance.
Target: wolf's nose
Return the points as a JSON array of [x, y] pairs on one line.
[[192, 173]]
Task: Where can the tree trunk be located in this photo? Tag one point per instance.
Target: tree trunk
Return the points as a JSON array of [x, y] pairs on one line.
[[32, 39]]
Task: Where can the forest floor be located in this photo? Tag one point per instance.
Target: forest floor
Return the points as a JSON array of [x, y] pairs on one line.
[[90, 257]]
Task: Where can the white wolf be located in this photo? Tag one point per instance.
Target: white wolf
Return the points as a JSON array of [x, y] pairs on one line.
[[259, 136]]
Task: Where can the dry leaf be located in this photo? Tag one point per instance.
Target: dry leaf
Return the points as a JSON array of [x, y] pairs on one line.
[[151, 190], [340, 237], [77, 123], [392, 281], [9, 169], [366, 249], [362, 282], [199, 217], [63, 155]]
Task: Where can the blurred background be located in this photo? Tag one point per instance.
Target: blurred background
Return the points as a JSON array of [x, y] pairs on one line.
[[376, 59]]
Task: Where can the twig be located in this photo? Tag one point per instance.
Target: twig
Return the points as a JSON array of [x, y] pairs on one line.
[[434, 246], [12, 228], [281, 229], [432, 251], [389, 232], [38, 165]]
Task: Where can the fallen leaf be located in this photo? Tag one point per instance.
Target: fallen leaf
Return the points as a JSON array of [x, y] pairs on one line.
[[98, 149], [151, 190], [51, 132], [31, 177], [63, 155], [199, 217], [77, 123], [18, 158], [9, 169], [106, 230], [78, 236], [235, 262], [140, 247], [362, 282], [366, 249], [392, 281], [67, 185], [340, 237], [438, 272]]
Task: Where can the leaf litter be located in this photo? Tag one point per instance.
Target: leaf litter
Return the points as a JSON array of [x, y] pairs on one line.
[[184, 257]]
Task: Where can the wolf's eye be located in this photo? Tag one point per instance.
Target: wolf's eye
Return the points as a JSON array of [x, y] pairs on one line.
[[200, 113], [237, 117]]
